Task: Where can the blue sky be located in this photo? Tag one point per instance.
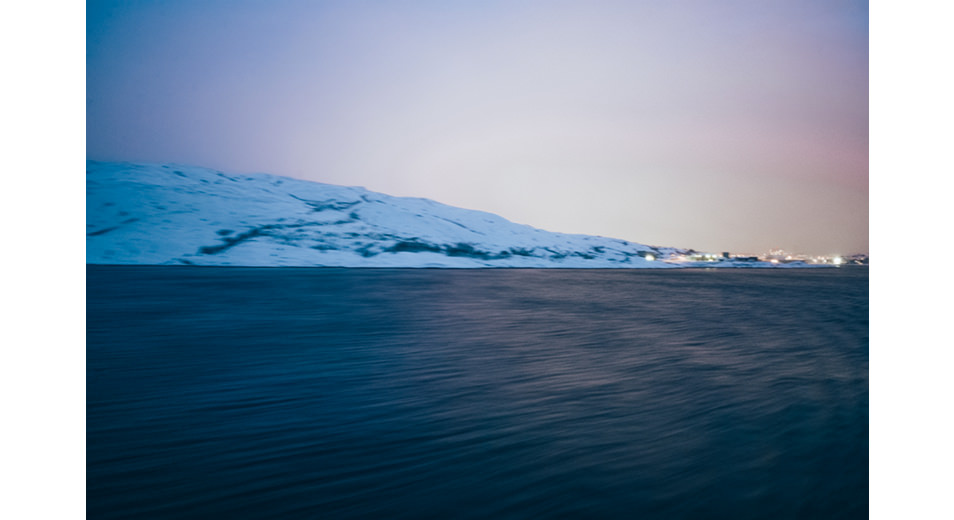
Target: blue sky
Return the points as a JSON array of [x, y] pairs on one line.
[[728, 126]]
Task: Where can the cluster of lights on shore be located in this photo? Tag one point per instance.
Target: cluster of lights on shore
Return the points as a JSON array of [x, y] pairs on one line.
[[836, 260], [774, 257]]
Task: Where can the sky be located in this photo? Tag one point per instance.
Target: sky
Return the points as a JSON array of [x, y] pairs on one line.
[[728, 125]]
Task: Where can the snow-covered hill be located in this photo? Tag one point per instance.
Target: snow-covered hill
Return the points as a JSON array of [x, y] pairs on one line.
[[173, 214]]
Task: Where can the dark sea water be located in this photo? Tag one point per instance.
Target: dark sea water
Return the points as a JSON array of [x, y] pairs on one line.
[[349, 393]]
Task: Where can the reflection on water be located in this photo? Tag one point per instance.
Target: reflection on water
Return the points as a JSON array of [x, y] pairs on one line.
[[336, 393]]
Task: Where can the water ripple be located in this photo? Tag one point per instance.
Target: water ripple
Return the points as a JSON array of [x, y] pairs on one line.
[[333, 393]]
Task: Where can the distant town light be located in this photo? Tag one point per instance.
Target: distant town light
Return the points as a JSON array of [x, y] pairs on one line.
[[838, 260]]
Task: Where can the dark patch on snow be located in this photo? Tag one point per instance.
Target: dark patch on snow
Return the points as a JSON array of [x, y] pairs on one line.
[[458, 224], [413, 246], [265, 230], [460, 249], [113, 228], [223, 232], [366, 251], [465, 249], [230, 242], [102, 231], [322, 205]]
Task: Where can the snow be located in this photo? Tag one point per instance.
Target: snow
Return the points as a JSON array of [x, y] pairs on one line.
[[175, 214]]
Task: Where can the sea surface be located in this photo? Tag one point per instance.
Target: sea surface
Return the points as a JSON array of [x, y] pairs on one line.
[[505, 393]]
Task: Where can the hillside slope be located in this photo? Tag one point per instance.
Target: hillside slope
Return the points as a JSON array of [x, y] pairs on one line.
[[172, 214]]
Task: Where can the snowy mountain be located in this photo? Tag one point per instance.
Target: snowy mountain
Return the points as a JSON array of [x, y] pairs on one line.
[[172, 214]]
